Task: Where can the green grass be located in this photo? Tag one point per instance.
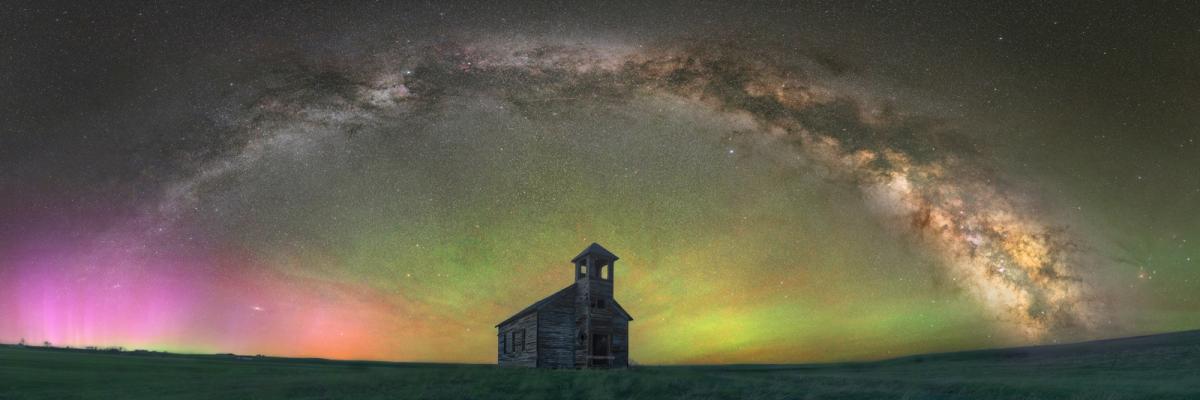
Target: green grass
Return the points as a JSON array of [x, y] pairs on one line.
[[1155, 367]]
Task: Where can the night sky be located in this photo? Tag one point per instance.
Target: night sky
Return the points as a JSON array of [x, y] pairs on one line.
[[783, 182]]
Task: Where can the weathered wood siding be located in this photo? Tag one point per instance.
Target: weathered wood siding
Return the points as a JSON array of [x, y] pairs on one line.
[[556, 328], [599, 321], [526, 357], [620, 342], [581, 322]]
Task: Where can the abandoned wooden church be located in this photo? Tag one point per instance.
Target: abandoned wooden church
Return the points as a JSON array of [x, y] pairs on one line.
[[580, 326]]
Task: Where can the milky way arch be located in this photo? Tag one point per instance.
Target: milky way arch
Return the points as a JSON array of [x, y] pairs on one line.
[[916, 175]]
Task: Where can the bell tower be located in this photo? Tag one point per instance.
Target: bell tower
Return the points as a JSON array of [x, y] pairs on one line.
[[595, 309], [594, 267]]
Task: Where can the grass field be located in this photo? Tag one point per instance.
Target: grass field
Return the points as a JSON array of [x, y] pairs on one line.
[[1151, 367]]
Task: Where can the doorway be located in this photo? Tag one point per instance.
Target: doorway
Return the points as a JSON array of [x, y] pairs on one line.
[[600, 350]]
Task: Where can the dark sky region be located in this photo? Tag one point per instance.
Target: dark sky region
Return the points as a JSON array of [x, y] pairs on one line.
[[784, 181]]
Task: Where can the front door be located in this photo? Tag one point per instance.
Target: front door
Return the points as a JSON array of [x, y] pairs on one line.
[[600, 353]]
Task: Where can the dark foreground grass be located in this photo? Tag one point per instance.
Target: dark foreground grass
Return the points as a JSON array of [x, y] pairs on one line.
[[1156, 367]]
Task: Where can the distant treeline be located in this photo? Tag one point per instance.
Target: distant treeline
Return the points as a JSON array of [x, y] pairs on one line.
[[122, 350], [95, 349]]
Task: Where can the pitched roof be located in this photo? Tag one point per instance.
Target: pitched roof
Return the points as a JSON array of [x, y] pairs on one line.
[[569, 290], [539, 304], [597, 249]]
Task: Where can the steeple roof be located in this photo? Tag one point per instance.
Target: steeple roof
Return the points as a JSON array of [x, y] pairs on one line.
[[597, 250]]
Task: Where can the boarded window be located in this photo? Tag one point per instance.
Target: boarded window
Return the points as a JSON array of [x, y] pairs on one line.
[[504, 343], [519, 341], [508, 344]]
